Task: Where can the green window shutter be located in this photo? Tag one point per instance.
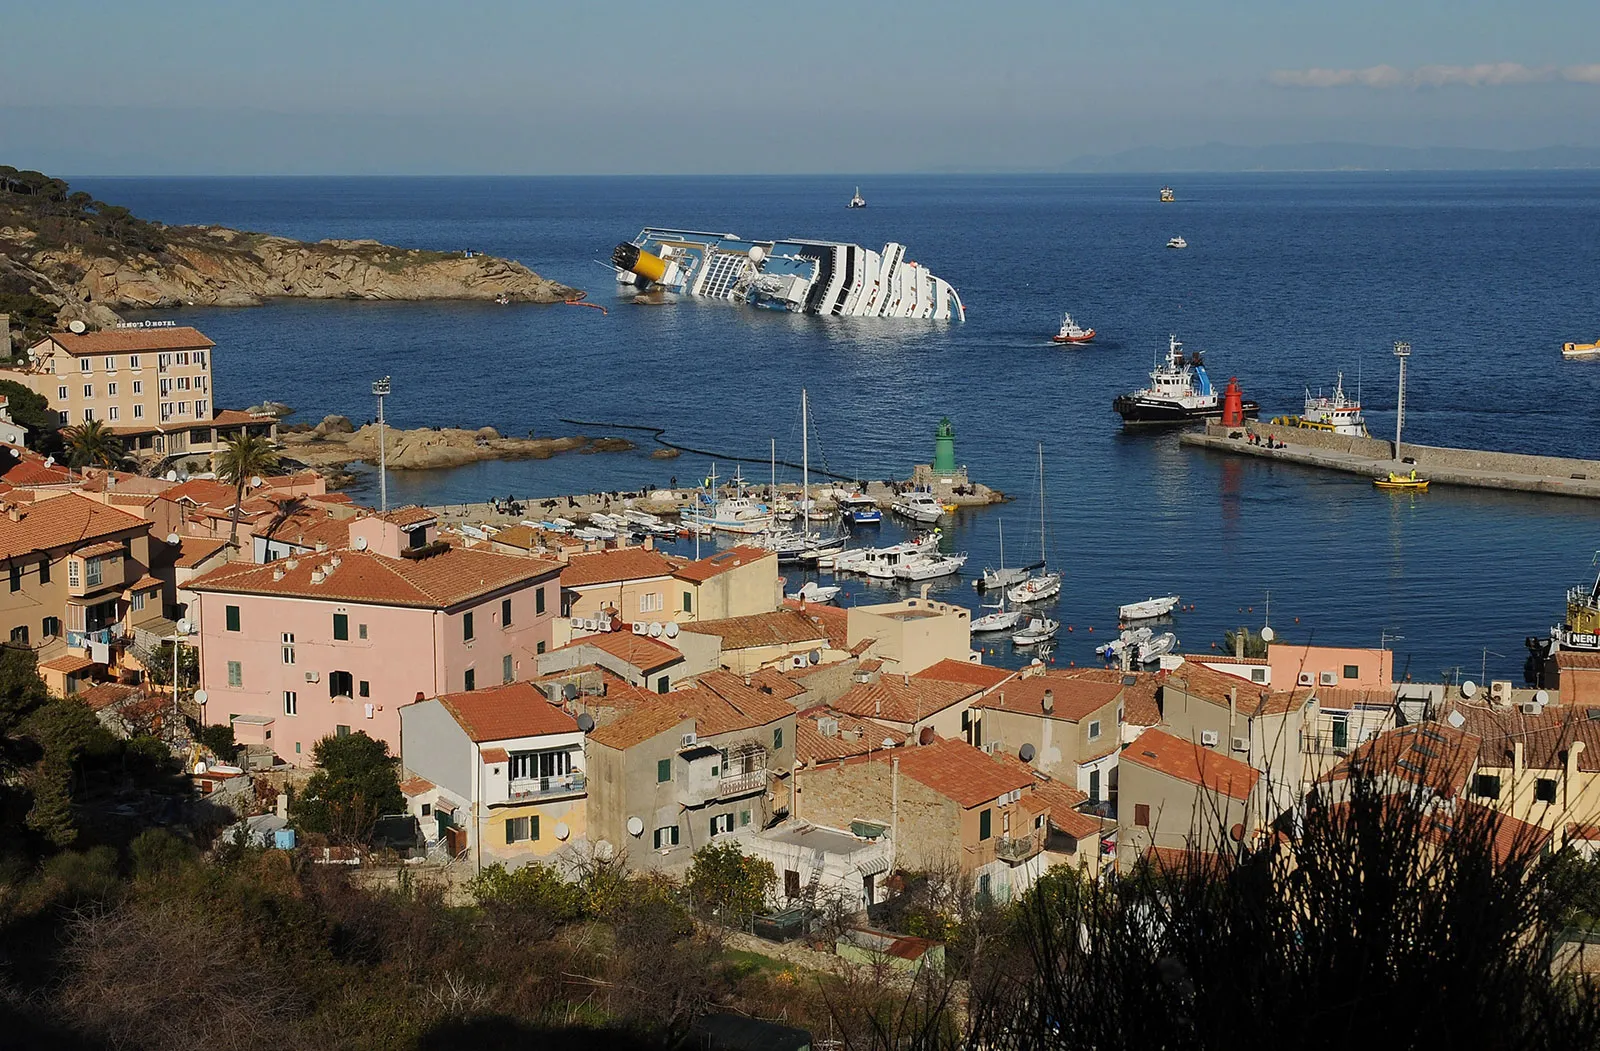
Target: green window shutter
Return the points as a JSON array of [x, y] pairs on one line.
[[505, 667], [688, 602], [233, 618], [985, 820], [511, 830], [777, 738], [533, 827], [674, 835], [663, 771], [538, 601], [341, 627]]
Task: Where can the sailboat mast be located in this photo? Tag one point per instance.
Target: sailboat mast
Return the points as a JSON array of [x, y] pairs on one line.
[[772, 485], [1041, 503], [805, 466]]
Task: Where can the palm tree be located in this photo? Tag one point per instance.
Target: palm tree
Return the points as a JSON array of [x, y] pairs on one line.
[[91, 444], [244, 457]]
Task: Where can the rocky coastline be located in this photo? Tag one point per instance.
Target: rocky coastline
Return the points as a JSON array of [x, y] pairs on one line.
[[336, 443]]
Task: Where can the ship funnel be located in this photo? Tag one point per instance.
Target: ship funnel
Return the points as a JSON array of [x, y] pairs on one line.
[[630, 257]]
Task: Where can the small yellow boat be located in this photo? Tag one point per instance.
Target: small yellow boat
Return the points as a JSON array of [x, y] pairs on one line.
[[1581, 350], [1402, 482]]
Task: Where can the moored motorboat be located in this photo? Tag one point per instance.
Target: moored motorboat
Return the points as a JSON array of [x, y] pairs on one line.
[[1072, 332], [811, 591], [859, 509], [859, 559], [1155, 647], [1402, 482], [1127, 642], [1149, 609], [1000, 619], [929, 567], [919, 505], [1037, 630], [1337, 413], [1167, 196]]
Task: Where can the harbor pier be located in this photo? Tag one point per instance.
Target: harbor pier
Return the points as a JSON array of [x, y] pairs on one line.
[[1372, 457]]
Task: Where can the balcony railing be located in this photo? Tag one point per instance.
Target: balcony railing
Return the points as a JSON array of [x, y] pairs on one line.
[[739, 784], [1324, 744], [542, 787], [1016, 849]]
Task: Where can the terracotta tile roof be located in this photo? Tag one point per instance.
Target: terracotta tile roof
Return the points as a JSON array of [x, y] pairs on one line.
[[68, 664], [1197, 680], [639, 651], [305, 528], [145, 583], [1074, 699], [974, 674], [719, 563], [194, 550], [1587, 833], [104, 547], [855, 737], [32, 471], [640, 726], [408, 517], [122, 482], [124, 340], [235, 417], [62, 522], [763, 686], [440, 581], [894, 699], [1565, 659], [206, 492], [516, 709], [1347, 699], [494, 755], [832, 619], [1062, 801], [611, 567], [416, 786], [1184, 861], [959, 772], [1217, 658], [1545, 737], [1510, 837], [103, 695], [1432, 755], [782, 627], [1189, 762]]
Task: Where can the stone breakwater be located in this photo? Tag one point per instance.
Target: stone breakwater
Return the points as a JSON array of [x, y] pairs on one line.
[[1476, 468]]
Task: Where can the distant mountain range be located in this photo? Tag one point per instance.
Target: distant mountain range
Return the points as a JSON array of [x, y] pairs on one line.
[[1333, 156]]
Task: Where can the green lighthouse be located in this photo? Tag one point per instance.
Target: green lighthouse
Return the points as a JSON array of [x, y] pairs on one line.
[[944, 448]]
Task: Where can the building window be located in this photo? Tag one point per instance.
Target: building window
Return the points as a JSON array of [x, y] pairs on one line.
[[62, 394], [88, 415], [663, 771], [183, 382], [16, 577], [777, 738], [235, 674], [525, 766], [364, 688], [136, 603], [138, 386], [538, 602], [113, 413], [791, 883], [111, 390], [650, 602], [985, 823], [291, 703], [1141, 815], [666, 836], [183, 357], [111, 364], [92, 573], [51, 627], [200, 408], [522, 829], [183, 408], [361, 631], [233, 618], [663, 685], [73, 571], [744, 818], [133, 363], [199, 357], [1120, 715], [539, 648], [1094, 786], [1352, 672], [341, 730], [19, 634], [1094, 729], [62, 415], [88, 391], [84, 365], [505, 615], [505, 668], [1486, 785], [469, 681], [1341, 731], [288, 647], [138, 410], [721, 823], [341, 627], [466, 627], [1544, 790], [1258, 675], [340, 683]]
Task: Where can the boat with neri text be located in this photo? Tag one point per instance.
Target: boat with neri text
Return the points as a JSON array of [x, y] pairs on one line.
[[799, 276], [1180, 390], [1072, 332]]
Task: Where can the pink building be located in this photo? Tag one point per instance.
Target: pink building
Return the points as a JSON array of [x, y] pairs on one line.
[[1347, 667], [337, 641]]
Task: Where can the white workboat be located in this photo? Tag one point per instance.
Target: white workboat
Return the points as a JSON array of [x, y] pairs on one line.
[[1149, 609], [919, 505], [1037, 630], [739, 514], [811, 591], [1045, 585], [925, 567]]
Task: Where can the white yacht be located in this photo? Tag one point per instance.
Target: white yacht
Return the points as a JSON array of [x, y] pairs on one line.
[[857, 201], [735, 514], [1177, 242], [859, 560], [929, 567], [1149, 609], [811, 591], [919, 506], [1000, 619]]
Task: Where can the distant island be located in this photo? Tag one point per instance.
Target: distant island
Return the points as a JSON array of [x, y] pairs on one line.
[[65, 256], [1334, 156]]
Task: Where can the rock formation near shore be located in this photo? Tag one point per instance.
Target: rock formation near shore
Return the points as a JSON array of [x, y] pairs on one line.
[[336, 442]]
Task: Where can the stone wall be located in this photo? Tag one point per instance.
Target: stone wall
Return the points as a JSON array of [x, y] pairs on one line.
[[1425, 455], [928, 832]]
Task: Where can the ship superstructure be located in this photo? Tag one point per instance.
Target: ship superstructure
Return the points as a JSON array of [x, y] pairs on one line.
[[802, 277]]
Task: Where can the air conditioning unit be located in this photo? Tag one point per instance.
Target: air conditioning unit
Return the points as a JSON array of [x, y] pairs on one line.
[[313, 676], [1210, 738], [1531, 708], [1241, 744], [639, 627], [579, 624], [1500, 691], [688, 741], [797, 661], [1306, 679], [1329, 678]]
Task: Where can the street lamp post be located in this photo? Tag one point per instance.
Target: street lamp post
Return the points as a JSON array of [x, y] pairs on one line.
[[380, 388], [1402, 351]]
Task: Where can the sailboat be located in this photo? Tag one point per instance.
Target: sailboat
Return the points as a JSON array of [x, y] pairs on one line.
[[1005, 576], [1000, 620], [812, 548], [1047, 584], [1038, 629]]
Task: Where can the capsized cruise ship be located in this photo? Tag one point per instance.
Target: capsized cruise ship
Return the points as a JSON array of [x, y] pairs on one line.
[[802, 277]]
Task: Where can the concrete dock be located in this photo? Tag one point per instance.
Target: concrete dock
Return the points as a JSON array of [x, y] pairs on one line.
[[1371, 457]]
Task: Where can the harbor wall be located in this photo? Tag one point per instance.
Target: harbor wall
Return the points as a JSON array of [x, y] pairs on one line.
[[1425, 455]]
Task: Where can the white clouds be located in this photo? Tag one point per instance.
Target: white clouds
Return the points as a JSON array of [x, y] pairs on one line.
[[1486, 74]]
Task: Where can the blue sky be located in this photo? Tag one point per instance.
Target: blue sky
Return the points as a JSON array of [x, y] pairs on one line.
[[819, 86]]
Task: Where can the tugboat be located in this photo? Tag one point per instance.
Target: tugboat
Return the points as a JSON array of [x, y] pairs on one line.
[[1179, 391], [857, 201], [1167, 196], [1581, 631], [1072, 332]]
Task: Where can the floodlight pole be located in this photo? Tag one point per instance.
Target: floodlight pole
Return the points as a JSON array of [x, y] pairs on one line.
[[381, 389]]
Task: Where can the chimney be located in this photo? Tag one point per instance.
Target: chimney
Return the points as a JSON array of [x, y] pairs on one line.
[[282, 809], [317, 576], [322, 545], [277, 572], [1049, 701], [334, 562], [293, 563], [747, 680], [906, 678], [14, 513]]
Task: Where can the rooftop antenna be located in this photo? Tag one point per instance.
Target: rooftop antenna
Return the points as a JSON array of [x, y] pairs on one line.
[[1483, 672], [1385, 636], [1402, 351], [380, 388]]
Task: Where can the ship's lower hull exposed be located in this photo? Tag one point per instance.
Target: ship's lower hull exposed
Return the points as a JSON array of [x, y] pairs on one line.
[[804, 277]]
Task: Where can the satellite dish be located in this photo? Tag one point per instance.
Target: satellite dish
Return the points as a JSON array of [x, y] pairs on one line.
[[1542, 698], [172, 476], [1026, 753], [585, 722], [570, 692], [926, 736], [604, 850], [1456, 719], [174, 538], [1469, 688], [361, 543], [1267, 634], [815, 656], [562, 831], [77, 328], [255, 482], [655, 630], [1036, 661], [185, 627], [635, 827], [670, 630], [757, 254], [49, 461], [200, 696]]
